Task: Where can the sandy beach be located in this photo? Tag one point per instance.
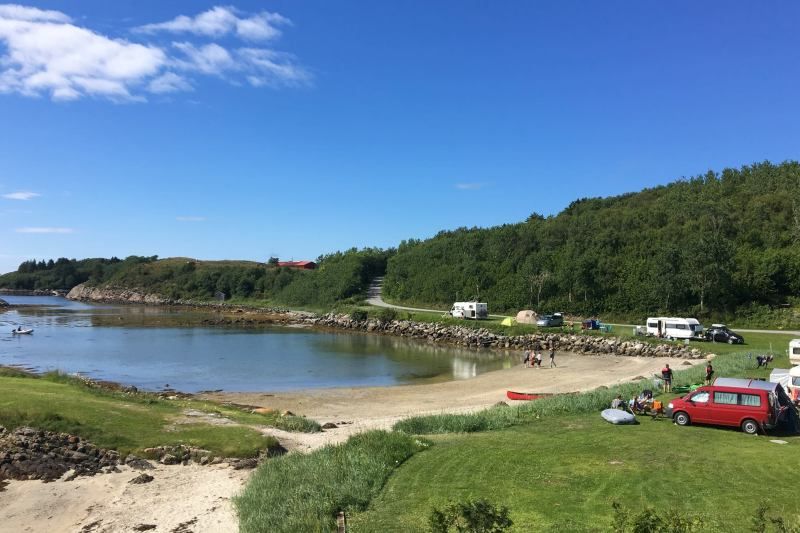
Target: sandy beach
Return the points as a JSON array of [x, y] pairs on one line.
[[197, 499]]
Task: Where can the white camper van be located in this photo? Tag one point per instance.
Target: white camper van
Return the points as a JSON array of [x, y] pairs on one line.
[[674, 328], [473, 310], [794, 351]]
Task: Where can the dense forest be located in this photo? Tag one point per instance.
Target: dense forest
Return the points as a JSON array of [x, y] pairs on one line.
[[340, 276], [710, 245], [714, 245]]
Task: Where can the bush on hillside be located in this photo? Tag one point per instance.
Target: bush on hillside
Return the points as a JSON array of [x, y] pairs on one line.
[[472, 516]]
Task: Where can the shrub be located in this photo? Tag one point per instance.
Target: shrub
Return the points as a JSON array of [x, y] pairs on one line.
[[472, 516], [387, 314], [649, 520], [359, 315]]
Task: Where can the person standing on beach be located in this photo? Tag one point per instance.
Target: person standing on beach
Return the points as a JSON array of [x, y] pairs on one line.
[[666, 375], [552, 354]]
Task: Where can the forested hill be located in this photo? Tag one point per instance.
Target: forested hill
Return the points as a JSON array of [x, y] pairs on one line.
[[340, 277], [716, 243]]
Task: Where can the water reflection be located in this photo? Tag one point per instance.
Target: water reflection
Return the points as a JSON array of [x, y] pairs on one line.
[[107, 342]]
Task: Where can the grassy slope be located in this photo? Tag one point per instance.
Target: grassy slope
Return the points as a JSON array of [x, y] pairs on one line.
[[556, 474], [125, 423], [563, 474]]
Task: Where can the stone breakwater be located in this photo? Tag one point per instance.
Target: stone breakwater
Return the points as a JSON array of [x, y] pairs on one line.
[[483, 338], [431, 332]]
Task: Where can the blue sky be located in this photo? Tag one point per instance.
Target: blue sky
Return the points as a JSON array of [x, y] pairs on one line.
[[253, 129]]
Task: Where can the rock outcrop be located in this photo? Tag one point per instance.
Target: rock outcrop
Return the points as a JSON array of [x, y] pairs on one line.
[[28, 453], [84, 292]]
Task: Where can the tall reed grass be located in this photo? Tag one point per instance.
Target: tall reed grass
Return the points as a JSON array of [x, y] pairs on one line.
[[585, 402], [305, 492]]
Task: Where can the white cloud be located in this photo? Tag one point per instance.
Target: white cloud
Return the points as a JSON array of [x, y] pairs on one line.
[[18, 12], [169, 82], [44, 53], [49, 55], [191, 219], [21, 195], [268, 67], [220, 21], [208, 59], [44, 230], [469, 186]]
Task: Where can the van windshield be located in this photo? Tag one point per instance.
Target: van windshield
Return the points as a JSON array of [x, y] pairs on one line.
[[700, 397]]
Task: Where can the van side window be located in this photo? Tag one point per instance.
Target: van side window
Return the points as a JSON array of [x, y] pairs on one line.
[[729, 398], [795, 351], [700, 397], [753, 400], [652, 324]]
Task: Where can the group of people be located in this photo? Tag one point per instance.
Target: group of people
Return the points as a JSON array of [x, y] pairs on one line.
[[640, 405], [533, 358]]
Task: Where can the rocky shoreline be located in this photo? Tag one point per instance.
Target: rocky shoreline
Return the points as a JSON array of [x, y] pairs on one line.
[[28, 453], [431, 332], [35, 292]]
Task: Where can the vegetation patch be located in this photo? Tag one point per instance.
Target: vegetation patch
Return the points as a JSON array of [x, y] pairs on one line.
[[124, 422], [306, 492]]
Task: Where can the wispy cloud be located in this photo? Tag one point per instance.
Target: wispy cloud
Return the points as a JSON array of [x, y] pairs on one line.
[[190, 219], [469, 186], [220, 21], [45, 230], [21, 195], [48, 54]]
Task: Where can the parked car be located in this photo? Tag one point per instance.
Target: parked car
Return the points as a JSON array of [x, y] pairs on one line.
[[551, 321], [751, 407], [721, 333]]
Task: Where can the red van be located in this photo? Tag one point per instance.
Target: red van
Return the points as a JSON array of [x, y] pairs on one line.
[[750, 407]]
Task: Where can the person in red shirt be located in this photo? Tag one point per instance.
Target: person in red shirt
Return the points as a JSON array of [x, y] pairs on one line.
[[666, 375], [709, 373]]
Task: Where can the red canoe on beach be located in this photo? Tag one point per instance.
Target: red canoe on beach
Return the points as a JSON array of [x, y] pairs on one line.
[[525, 395]]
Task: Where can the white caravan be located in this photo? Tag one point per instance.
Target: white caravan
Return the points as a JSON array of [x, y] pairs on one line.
[[794, 351], [789, 378], [474, 310], [674, 328]]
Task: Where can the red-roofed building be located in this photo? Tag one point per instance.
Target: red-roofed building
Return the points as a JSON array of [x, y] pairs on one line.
[[300, 265]]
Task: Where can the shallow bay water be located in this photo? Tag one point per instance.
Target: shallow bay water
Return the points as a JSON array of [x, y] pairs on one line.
[[107, 342]]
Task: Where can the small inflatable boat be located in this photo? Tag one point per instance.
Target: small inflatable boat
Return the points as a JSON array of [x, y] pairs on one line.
[[21, 331], [618, 416]]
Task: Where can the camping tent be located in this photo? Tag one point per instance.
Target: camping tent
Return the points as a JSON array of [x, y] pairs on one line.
[[507, 321], [526, 317]]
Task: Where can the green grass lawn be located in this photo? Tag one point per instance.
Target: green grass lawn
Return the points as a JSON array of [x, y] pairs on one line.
[[127, 423], [563, 473]]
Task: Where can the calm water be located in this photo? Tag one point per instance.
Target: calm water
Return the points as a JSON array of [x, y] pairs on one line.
[[103, 342]]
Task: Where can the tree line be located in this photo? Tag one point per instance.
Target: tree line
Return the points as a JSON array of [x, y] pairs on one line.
[[714, 244], [340, 276]]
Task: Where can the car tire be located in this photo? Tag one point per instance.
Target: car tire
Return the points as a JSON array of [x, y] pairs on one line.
[[750, 427], [681, 418]]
